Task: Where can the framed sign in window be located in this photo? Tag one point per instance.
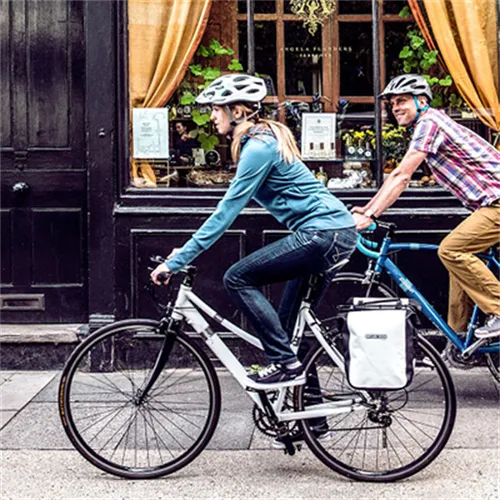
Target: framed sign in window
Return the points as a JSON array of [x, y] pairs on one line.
[[150, 133], [318, 136]]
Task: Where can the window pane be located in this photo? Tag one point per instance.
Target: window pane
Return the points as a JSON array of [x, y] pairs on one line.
[[356, 59], [303, 60], [265, 48], [261, 6], [354, 7], [395, 34], [394, 6]]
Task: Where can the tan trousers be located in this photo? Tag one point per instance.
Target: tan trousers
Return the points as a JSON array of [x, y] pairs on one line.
[[470, 280]]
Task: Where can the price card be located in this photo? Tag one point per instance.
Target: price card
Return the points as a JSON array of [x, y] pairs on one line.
[[318, 136]]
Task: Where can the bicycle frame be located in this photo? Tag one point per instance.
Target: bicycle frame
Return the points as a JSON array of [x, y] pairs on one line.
[[384, 262], [188, 306]]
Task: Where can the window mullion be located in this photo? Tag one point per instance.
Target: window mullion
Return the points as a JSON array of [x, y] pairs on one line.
[[280, 56]]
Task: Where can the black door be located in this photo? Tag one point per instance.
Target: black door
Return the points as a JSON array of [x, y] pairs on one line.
[[43, 177]]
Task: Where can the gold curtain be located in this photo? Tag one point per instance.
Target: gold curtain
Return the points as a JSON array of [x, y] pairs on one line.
[[163, 37], [465, 31]]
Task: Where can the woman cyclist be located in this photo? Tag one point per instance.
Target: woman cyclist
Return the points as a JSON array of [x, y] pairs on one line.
[[269, 170]]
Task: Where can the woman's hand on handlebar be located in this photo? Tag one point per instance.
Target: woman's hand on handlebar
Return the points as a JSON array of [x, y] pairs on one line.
[[161, 275]]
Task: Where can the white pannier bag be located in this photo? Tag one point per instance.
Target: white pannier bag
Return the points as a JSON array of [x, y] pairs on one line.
[[378, 344]]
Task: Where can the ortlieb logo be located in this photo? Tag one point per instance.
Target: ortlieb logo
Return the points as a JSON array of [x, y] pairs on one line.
[[376, 336]]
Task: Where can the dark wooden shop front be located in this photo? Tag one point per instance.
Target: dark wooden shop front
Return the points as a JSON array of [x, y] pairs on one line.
[[77, 240]]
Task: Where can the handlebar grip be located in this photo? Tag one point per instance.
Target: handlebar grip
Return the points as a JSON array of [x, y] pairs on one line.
[[163, 278]]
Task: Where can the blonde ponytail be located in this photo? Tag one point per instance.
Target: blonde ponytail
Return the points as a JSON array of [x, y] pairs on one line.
[[287, 147]]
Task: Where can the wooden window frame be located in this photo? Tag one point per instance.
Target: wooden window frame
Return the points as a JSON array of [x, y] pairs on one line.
[[330, 59]]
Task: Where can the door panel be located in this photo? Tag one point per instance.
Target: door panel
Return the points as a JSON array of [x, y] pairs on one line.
[[43, 176]]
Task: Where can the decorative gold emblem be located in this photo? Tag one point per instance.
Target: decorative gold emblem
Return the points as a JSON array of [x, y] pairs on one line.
[[313, 12]]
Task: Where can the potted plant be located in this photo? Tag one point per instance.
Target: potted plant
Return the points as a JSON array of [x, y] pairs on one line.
[[200, 75]]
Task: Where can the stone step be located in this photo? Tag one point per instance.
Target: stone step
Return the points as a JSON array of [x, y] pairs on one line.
[[37, 346]]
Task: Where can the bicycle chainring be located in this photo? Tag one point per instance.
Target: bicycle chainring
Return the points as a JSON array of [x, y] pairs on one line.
[[454, 358], [262, 421]]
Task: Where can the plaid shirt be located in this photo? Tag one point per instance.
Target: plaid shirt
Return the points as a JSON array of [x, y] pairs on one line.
[[461, 161]]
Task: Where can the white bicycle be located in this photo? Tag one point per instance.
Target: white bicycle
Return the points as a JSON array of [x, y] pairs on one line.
[[141, 398]]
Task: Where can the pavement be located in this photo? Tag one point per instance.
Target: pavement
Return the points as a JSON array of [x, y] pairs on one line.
[[39, 462]]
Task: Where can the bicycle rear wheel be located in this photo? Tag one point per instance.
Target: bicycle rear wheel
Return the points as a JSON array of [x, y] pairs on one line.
[[347, 285], [117, 430], [493, 363], [394, 436]]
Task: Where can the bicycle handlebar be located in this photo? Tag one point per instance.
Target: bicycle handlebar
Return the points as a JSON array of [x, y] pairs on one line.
[[366, 246]]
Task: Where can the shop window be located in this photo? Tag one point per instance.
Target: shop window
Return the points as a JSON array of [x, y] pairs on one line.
[[261, 7], [394, 6], [313, 71], [356, 59], [355, 7], [265, 48], [395, 35], [303, 60]]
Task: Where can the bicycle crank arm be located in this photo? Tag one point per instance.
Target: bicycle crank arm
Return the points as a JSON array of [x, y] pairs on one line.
[[472, 348]]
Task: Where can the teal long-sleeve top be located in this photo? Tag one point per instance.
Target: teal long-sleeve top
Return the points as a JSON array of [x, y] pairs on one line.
[[289, 191]]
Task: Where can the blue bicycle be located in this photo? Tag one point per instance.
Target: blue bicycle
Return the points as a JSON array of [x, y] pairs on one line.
[[463, 350]]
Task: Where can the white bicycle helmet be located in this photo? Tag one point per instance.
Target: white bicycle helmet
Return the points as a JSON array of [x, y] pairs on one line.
[[407, 84], [229, 89]]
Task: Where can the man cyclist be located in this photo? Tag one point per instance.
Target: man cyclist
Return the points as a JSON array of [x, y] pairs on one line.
[[467, 166]]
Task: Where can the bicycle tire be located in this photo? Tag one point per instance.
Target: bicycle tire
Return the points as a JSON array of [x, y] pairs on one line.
[[107, 424], [381, 445], [493, 363]]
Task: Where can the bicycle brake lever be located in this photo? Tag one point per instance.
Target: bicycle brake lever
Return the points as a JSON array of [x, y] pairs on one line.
[[157, 259]]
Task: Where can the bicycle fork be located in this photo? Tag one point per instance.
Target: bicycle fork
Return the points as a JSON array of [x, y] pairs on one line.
[[168, 328]]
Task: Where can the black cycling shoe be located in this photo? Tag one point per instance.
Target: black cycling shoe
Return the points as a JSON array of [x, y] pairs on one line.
[[276, 373]]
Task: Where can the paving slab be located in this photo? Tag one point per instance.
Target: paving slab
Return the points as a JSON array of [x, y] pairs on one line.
[[19, 388], [6, 416]]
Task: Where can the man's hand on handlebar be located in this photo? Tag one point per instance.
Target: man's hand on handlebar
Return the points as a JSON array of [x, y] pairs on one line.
[[361, 220], [358, 210]]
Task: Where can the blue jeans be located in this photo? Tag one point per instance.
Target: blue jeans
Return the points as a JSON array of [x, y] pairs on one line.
[[292, 259]]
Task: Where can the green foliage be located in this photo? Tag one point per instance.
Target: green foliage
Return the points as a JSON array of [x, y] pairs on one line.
[[415, 57], [207, 141], [201, 74], [235, 65], [201, 119], [187, 98]]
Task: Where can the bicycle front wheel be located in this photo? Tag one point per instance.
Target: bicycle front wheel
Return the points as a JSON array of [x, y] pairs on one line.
[[117, 427], [395, 433]]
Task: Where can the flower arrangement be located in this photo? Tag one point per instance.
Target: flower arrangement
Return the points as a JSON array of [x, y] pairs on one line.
[[360, 144], [395, 142]]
